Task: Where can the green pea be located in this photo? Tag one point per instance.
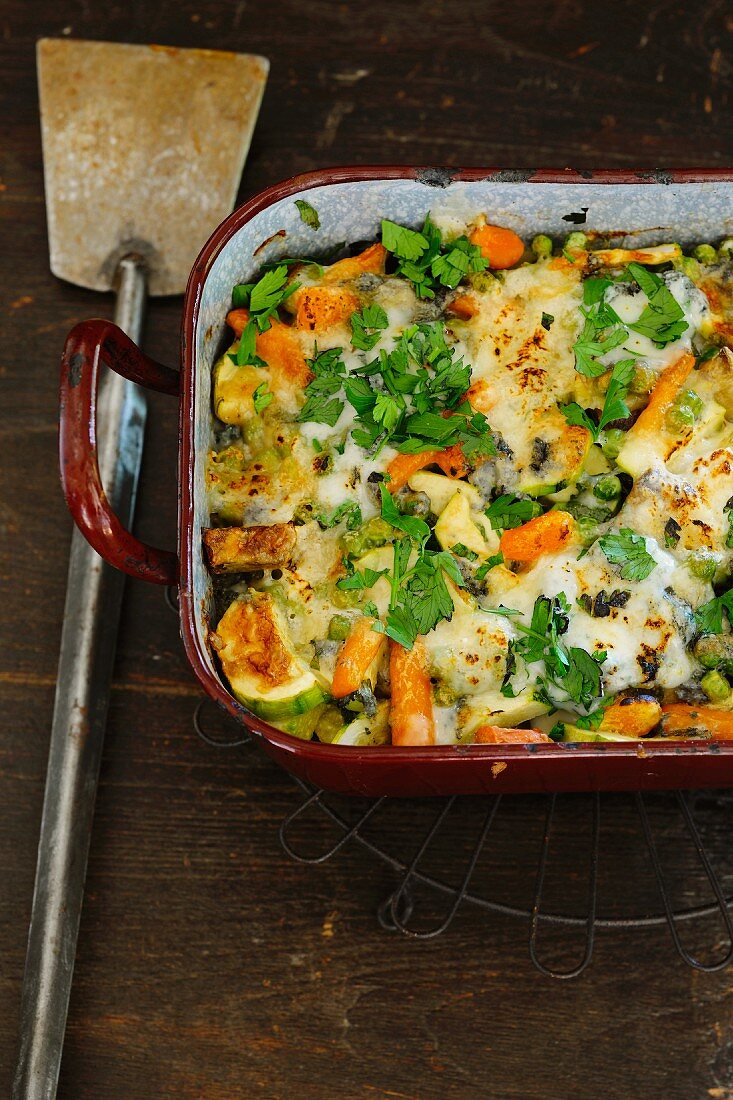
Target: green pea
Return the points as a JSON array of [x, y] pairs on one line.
[[607, 488], [587, 529], [339, 628], [715, 686], [705, 253], [684, 411], [702, 566], [375, 532], [542, 246], [679, 417], [642, 381], [613, 442], [690, 267], [482, 281], [725, 249], [693, 400], [715, 651], [346, 597], [576, 239], [444, 695]]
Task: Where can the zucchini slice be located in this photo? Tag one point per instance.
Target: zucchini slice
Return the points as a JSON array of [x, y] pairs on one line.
[[366, 731], [259, 661]]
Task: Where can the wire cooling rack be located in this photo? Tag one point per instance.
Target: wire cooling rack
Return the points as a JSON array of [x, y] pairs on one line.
[[450, 850], [321, 826]]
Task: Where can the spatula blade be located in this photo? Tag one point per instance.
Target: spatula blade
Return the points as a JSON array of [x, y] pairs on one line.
[[143, 148]]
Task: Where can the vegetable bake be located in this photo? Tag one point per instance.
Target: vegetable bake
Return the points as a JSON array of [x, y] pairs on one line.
[[465, 488]]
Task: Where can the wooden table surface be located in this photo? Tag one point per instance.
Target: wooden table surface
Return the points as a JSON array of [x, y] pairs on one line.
[[210, 964]]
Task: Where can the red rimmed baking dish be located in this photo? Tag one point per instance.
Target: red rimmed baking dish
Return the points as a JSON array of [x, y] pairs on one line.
[[643, 207]]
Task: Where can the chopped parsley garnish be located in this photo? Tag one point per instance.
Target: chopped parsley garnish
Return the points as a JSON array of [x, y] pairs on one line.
[[627, 549], [614, 406], [261, 397], [488, 565], [709, 617], [511, 511], [405, 243], [412, 398], [349, 511], [595, 340], [663, 319], [367, 327], [358, 579], [570, 669], [308, 214], [462, 551], [426, 261], [262, 299], [322, 406], [419, 596]]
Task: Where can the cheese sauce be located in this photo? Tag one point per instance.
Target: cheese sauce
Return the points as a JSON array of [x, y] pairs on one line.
[[647, 511]]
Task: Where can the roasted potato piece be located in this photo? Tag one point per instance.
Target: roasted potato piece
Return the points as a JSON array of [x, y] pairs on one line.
[[239, 549]]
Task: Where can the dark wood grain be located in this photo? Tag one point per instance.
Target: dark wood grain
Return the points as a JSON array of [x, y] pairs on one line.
[[210, 964]]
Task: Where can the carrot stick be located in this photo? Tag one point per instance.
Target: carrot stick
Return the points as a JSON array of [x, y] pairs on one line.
[[452, 462], [651, 420], [355, 656], [465, 306], [411, 710], [544, 535], [497, 735], [682, 717], [501, 247], [321, 307], [237, 319], [632, 717], [402, 467], [279, 347], [371, 260]]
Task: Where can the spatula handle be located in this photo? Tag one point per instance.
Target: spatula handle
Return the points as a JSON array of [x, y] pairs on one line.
[[91, 615]]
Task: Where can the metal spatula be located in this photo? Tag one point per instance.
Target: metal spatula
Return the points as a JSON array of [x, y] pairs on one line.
[[143, 147]]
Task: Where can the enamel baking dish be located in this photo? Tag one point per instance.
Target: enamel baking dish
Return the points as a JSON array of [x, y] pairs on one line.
[[639, 207]]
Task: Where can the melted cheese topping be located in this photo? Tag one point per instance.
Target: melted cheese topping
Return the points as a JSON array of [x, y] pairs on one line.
[[518, 338]]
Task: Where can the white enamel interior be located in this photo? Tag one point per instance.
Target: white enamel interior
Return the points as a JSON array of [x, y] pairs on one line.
[[350, 212]]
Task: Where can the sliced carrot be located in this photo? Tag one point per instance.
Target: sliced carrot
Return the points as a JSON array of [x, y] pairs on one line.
[[237, 319], [411, 709], [480, 396], [497, 735], [281, 350], [371, 260], [360, 649], [501, 247], [319, 308], [682, 718], [402, 467], [452, 462], [544, 535], [632, 717], [651, 420], [279, 347], [465, 306]]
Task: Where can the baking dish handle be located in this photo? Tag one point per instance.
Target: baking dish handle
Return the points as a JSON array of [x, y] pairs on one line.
[[87, 344]]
